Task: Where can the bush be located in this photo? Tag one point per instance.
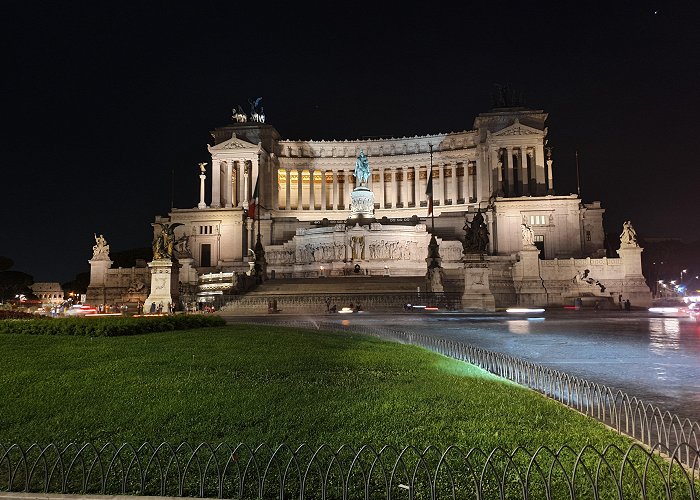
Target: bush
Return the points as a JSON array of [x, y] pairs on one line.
[[107, 327], [7, 314]]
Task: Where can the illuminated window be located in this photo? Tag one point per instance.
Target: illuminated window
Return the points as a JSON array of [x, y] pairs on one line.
[[538, 220]]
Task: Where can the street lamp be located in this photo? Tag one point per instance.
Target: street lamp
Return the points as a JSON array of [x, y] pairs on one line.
[[684, 271]]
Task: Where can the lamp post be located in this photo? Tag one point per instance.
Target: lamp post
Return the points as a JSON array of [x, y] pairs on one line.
[[684, 271]]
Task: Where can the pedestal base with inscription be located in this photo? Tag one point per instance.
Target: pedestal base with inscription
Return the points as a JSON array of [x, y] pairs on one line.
[[362, 203], [164, 285], [477, 295]]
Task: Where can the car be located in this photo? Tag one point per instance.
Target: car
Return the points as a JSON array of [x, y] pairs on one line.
[[694, 311], [81, 310]]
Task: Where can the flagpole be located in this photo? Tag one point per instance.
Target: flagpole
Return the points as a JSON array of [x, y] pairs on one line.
[[432, 212]]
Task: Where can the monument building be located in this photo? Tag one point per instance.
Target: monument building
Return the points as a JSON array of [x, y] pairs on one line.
[[304, 209]]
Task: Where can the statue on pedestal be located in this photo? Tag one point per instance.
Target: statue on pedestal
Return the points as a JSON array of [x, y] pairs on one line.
[[628, 237], [528, 235], [476, 238], [100, 249], [362, 170], [164, 243]]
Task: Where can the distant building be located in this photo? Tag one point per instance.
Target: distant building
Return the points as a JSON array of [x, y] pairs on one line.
[[48, 293]]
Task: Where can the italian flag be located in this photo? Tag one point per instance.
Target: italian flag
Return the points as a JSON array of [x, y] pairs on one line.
[[253, 203], [429, 192]]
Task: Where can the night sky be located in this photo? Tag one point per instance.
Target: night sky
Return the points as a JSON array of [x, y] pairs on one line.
[[104, 101]]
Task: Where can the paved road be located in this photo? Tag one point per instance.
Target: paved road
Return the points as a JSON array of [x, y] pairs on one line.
[[655, 359]]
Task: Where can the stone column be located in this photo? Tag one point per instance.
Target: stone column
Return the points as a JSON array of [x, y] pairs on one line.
[[394, 188], [202, 203], [347, 188], [241, 169], [382, 189], [234, 185], [288, 189], [455, 186], [274, 185], [246, 181], [312, 190], [538, 169], [416, 186], [300, 185], [440, 185], [510, 174], [404, 186], [524, 179], [215, 184], [550, 181], [228, 197], [334, 206], [424, 185], [324, 200], [465, 181], [497, 176], [254, 176]]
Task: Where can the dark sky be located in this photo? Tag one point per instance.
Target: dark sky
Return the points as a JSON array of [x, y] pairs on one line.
[[102, 101]]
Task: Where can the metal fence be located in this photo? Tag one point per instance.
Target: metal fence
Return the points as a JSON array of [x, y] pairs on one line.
[[626, 414], [225, 471]]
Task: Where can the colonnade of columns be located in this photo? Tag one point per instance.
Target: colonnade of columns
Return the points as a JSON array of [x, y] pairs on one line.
[[521, 171], [393, 187], [232, 182]]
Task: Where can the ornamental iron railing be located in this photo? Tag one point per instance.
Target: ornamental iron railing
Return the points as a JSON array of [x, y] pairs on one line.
[[225, 471]]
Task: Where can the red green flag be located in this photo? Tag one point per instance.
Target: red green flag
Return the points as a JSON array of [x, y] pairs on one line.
[[429, 192], [253, 203]]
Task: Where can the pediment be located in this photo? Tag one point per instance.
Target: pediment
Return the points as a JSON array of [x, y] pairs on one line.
[[517, 128], [234, 143]]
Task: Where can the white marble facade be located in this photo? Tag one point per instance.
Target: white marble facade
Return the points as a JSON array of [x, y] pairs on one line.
[[500, 165]]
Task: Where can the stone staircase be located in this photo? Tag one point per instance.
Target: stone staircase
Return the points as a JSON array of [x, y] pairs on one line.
[[313, 295]]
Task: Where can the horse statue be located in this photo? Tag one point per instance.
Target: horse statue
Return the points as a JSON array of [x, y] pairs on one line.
[[239, 116], [256, 110]]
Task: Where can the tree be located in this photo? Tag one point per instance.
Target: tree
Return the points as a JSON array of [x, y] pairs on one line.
[[13, 283], [6, 263]]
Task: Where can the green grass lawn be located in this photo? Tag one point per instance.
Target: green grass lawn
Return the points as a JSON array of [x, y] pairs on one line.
[[272, 385], [263, 384]]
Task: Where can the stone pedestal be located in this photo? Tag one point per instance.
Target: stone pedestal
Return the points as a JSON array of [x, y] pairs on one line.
[[98, 269], [188, 274], [477, 295], [97, 292], [526, 278], [435, 277], [164, 284], [362, 203], [634, 286]]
